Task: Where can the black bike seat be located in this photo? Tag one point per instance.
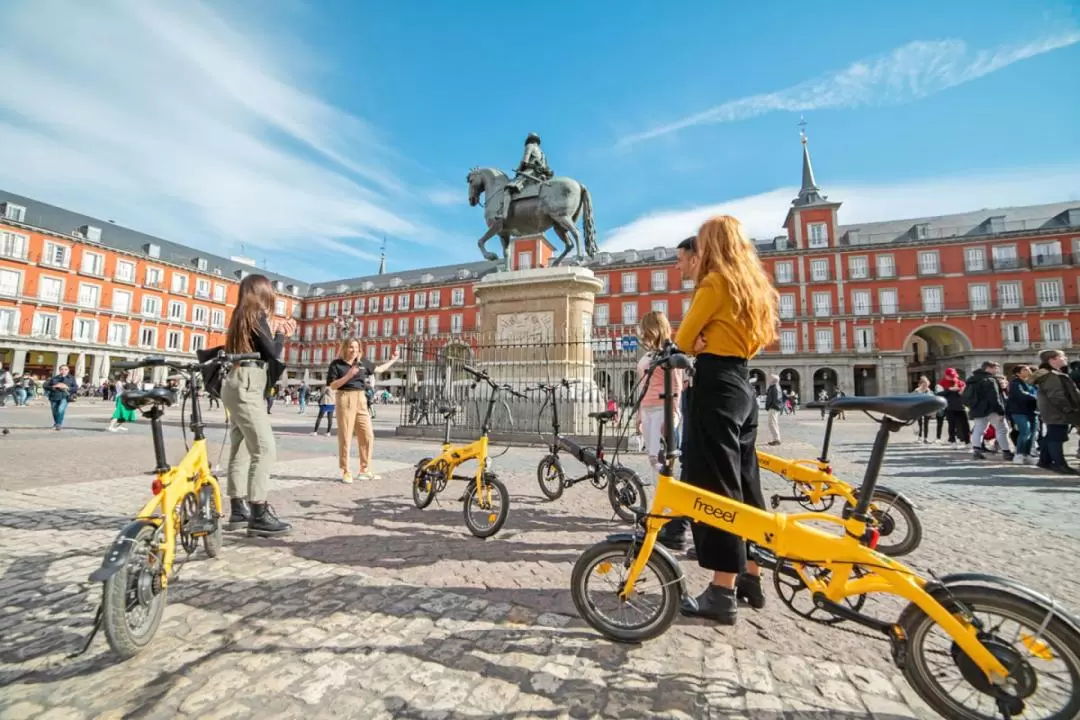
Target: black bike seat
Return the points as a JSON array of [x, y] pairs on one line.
[[603, 416], [138, 399], [901, 407]]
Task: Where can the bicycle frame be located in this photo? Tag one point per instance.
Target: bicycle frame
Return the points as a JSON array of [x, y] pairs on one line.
[[790, 539], [456, 455]]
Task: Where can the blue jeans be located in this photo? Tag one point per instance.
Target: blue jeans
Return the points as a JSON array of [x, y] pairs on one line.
[[59, 407], [20, 396], [1025, 435]]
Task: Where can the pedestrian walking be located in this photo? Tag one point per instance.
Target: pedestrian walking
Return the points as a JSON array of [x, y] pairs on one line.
[[923, 388], [774, 407], [1021, 405], [60, 388], [121, 414], [326, 409], [1058, 402], [986, 403]]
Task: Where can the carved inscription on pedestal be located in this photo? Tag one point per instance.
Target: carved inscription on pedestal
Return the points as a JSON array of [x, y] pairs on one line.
[[526, 327]]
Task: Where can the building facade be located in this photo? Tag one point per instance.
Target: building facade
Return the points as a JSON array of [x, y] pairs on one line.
[[864, 308]]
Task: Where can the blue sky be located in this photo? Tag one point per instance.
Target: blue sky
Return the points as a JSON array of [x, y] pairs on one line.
[[303, 133]]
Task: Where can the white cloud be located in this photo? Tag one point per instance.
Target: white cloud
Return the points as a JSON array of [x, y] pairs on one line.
[[167, 119], [448, 197], [908, 73], [764, 213]]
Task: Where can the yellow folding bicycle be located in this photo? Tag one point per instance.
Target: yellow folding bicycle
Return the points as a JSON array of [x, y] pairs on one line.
[[974, 647], [816, 489], [186, 507], [486, 500]]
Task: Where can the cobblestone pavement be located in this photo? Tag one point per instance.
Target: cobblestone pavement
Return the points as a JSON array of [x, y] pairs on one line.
[[375, 609]]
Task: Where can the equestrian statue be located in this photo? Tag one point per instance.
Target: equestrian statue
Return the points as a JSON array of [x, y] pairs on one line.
[[531, 203]]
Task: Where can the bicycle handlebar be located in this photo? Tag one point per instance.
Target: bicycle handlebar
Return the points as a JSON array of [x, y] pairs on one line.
[[158, 361], [479, 375]]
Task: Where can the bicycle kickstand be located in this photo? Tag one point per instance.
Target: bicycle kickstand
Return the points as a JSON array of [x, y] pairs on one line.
[[93, 633]]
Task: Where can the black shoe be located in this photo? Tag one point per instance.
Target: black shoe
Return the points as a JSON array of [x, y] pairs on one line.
[[1064, 470], [1007, 456], [240, 514], [716, 603], [748, 589], [671, 543], [264, 523]]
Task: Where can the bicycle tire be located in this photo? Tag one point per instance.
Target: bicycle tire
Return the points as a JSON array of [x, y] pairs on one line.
[[212, 541], [626, 493], [543, 470], [422, 497], [896, 505], [500, 516], [123, 640]]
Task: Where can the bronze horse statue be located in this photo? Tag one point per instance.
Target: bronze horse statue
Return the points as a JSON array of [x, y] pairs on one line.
[[558, 204]]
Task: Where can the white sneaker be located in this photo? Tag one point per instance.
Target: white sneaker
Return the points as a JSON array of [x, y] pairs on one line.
[[1018, 460]]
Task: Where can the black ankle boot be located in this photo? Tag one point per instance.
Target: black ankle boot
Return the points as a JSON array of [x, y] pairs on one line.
[[239, 515], [748, 589], [264, 523], [716, 603]]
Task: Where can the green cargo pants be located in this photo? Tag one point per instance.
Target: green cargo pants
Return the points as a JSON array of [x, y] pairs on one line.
[[252, 449]]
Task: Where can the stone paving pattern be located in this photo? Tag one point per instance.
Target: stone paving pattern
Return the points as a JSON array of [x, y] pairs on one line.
[[375, 609]]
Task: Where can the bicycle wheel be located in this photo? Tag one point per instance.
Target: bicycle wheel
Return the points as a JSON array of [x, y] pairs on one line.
[[657, 592], [423, 486], [900, 528], [212, 516], [1040, 656], [626, 493], [133, 599], [492, 506], [549, 474]]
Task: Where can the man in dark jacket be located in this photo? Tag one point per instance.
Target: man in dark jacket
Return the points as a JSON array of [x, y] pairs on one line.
[[983, 396], [1059, 404], [774, 406]]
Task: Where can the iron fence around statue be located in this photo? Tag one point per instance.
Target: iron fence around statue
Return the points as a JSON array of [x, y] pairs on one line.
[[600, 366]]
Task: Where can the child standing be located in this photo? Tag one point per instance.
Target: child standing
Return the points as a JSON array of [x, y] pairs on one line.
[[655, 331]]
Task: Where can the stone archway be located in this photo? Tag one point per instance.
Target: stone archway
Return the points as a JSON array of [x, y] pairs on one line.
[[828, 380], [928, 347], [791, 382], [758, 380]]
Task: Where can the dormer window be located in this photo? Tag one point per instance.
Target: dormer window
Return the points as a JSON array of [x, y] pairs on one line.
[[367, 285], [921, 231], [462, 274], [91, 233], [996, 224], [395, 282], [427, 277], [853, 237], [631, 256], [279, 286], [780, 242], [342, 288], [217, 271], [605, 258], [293, 289], [659, 253], [242, 274], [201, 263], [152, 250], [319, 292], [14, 212]]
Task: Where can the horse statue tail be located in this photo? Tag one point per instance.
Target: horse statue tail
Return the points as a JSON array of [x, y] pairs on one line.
[[590, 226]]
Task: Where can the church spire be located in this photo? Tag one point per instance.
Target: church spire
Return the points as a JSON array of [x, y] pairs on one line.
[[382, 257], [809, 193]]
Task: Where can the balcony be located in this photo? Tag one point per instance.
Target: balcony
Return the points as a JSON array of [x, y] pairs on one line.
[[1011, 263], [1039, 262], [885, 273]]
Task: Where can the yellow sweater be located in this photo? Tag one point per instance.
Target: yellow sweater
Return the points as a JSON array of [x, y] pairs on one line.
[[711, 313]]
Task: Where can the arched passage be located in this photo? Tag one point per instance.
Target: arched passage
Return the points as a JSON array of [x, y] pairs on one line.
[[757, 379], [790, 381], [825, 379], [929, 348]]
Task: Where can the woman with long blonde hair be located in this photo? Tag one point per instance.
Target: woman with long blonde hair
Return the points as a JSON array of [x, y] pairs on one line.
[[348, 376], [733, 310]]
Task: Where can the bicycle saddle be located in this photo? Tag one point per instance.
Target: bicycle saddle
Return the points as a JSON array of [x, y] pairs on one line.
[[901, 407], [138, 399], [603, 416]]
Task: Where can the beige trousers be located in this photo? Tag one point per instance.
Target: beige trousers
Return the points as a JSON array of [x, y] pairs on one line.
[[774, 425], [352, 412]]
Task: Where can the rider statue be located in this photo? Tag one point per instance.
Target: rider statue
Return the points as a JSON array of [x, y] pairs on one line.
[[533, 167]]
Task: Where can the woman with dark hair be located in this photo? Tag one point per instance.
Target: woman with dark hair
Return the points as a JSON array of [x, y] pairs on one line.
[[733, 309], [252, 447]]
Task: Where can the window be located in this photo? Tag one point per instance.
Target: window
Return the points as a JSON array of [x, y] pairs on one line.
[[789, 342], [179, 283], [457, 297], [198, 342], [786, 308], [177, 311], [93, 263], [84, 330], [199, 315], [864, 339], [1046, 253], [1049, 293], [9, 283], [975, 259], [346, 307], [387, 327], [320, 333], [151, 305], [174, 340], [118, 334], [819, 235], [928, 262], [659, 306], [524, 261], [860, 302], [56, 255], [331, 310], [435, 297], [1056, 333], [148, 337], [419, 301], [370, 352], [46, 325], [822, 304], [372, 328], [403, 302], [202, 288], [688, 284], [384, 351], [979, 297], [217, 319], [358, 306], [125, 271], [785, 273], [457, 323], [659, 280], [418, 325], [220, 293], [14, 212], [605, 281], [309, 332], [9, 322], [932, 299], [1005, 257], [50, 289], [629, 313], [388, 303], [859, 267], [823, 340], [89, 295], [403, 326], [310, 313], [13, 245], [819, 270], [280, 307], [1009, 295], [887, 303], [629, 282], [1016, 335], [322, 310], [318, 356], [600, 315], [433, 325], [373, 304], [154, 277], [886, 266]]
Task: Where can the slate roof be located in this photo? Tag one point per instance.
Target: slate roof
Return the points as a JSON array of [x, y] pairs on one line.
[[440, 275], [64, 222]]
